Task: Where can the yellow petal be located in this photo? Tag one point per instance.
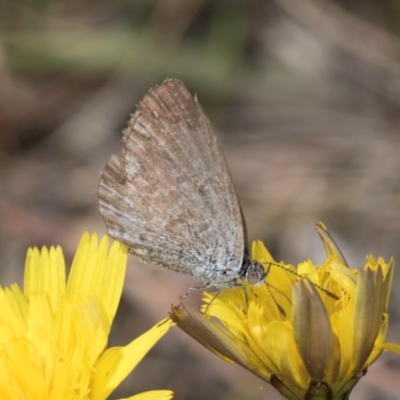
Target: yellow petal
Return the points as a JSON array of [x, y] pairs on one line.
[[331, 248], [116, 363], [97, 271], [260, 253], [45, 273], [152, 395], [394, 347]]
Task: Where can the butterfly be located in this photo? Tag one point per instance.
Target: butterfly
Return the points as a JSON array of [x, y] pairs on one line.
[[169, 196]]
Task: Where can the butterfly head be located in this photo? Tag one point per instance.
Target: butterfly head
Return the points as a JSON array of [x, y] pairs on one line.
[[253, 273]]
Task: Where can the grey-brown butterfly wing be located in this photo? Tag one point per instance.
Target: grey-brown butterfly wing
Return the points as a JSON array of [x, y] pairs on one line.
[[169, 196]]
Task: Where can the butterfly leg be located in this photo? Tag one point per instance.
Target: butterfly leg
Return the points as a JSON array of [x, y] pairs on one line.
[[204, 287]]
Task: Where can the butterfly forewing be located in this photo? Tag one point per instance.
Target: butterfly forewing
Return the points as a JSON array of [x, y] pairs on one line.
[[169, 196]]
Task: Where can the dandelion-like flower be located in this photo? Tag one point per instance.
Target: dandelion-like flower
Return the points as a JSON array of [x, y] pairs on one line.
[[311, 335], [53, 335]]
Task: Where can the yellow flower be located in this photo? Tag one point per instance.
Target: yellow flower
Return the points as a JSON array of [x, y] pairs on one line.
[[53, 335], [312, 336]]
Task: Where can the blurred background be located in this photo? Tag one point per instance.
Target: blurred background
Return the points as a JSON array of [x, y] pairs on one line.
[[304, 94]]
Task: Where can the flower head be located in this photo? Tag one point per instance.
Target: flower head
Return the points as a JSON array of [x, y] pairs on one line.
[[309, 332], [53, 335]]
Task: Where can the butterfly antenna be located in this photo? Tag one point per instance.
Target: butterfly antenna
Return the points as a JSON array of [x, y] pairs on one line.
[[263, 278], [278, 306], [327, 292], [213, 298]]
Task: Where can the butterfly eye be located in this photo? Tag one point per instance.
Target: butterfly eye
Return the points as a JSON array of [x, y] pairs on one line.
[[253, 277], [255, 273]]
